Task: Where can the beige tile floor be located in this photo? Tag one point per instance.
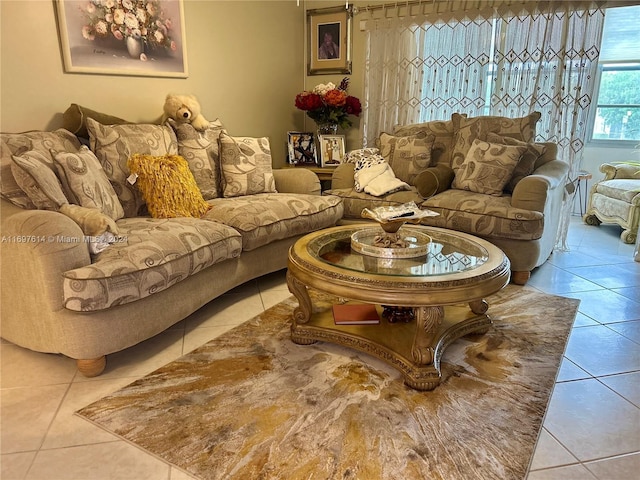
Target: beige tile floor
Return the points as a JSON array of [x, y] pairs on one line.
[[591, 429]]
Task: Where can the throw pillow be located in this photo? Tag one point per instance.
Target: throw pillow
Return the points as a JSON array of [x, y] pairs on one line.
[[487, 167], [245, 163], [434, 180], [114, 144], [466, 130], [168, 186], [86, 183], [443, 138], [527, 162], [75, 118], [34, 173], [408, 155], [201, 151], [17, 144]]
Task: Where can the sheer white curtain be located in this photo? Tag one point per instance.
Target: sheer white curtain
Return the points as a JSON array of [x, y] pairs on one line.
[[498, 62], [547, 62], [424, 67]]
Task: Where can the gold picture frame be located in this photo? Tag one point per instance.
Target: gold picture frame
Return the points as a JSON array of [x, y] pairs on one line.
[[329, 40], [332, 150], [103, 38]]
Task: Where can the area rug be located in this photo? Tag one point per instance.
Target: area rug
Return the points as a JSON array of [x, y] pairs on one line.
[[253, 405]]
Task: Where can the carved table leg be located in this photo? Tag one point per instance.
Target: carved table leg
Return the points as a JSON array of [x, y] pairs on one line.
[[302, 313], [428, 319]]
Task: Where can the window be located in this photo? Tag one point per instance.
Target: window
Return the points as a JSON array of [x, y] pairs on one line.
[[616, 118]]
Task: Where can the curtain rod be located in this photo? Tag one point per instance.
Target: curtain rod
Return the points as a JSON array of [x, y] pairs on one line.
[[411, 3], [482, 3]]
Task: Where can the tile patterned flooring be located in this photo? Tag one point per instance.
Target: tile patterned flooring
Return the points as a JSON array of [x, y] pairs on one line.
[[591, 429]]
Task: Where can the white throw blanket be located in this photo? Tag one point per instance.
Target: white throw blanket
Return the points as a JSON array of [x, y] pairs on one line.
[[379, 180]]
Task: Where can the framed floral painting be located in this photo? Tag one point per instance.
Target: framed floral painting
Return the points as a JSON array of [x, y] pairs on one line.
[[329, 40], [332, 150], [123, 37]]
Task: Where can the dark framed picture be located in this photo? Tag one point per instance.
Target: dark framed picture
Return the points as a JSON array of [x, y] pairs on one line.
[[332, 150], [329, 42], [302, 149], [124, 37]]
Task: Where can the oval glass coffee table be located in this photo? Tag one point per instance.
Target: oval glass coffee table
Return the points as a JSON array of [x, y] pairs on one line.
[[446, 288]]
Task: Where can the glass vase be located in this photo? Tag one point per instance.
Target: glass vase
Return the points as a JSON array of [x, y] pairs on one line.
[[327, 128]]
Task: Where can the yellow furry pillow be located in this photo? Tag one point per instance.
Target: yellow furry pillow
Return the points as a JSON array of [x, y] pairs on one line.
[[167, 186]]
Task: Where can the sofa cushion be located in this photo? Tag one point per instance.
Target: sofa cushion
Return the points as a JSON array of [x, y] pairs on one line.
[[33, 172], [85, 182], [442, 132], [167, 186], [625, 189], [202, 153], [17, 144], [114, 144], [354, 202], [527, 163], [245, 163], [466, 130], [266, 217], [484, 215], [487, 167], [407, 155], [151, 256]]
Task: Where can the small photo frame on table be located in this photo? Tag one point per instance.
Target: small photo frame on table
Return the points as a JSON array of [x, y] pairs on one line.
[[302, 148], [332, 150], [329, 40]]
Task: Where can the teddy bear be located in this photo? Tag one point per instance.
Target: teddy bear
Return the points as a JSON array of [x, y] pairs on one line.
[[91, 220], [184, 109]]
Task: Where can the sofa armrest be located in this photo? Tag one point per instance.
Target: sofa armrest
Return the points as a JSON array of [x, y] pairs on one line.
[[619, 171], [342, 176], [532, 191], [296, 180], [38, 246]]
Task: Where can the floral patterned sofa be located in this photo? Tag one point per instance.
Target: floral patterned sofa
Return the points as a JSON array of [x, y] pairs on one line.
[[484, 176], [59, 297]]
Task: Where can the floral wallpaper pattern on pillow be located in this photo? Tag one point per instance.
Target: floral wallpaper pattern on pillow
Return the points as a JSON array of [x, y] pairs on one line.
[[85, 182], [409, 155], [17, 144], [487, 167], [114, 144], [246, 166], [202, 153]]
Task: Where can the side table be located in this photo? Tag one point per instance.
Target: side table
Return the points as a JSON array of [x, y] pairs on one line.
[[583, 193]]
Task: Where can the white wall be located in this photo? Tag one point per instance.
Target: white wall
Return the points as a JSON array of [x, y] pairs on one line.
[[593, 157], [245, 66]]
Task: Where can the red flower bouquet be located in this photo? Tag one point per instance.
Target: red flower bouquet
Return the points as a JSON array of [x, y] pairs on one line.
[[327, 104]]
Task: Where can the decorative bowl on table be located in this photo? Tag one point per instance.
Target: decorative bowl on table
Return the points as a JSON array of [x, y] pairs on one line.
[[405, 243]]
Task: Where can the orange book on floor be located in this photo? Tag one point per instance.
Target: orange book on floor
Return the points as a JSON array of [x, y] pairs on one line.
[[355, 314]]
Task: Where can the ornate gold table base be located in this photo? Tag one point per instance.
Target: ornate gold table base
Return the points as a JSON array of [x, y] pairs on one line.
[[414, 348]]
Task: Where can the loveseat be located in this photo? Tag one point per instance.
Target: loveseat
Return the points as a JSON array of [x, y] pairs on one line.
[[483, 175], [57, 296]]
